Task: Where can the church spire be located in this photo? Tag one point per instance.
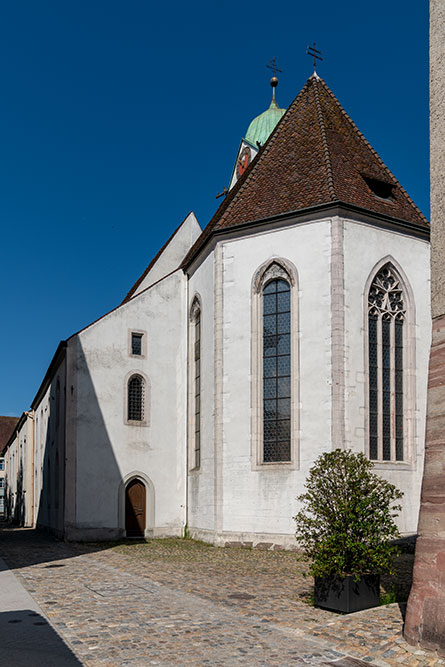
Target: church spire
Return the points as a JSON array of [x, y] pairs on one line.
[[274, 81], [274, 84], [258, 131]]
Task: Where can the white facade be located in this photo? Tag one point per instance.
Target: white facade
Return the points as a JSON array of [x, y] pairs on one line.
[[149, 422], [2, 485], [80, 412], [19, 465], [255, 503]]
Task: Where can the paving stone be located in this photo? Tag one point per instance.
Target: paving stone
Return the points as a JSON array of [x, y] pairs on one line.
[[179, 602]]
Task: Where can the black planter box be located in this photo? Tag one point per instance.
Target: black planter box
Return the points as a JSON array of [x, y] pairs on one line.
[[344, 594]]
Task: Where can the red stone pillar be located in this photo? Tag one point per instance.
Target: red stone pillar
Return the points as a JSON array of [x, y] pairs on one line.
[[425, 616]]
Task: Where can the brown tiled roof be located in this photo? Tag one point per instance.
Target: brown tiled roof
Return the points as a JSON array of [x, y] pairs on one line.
[[316, 155], [7, 425]]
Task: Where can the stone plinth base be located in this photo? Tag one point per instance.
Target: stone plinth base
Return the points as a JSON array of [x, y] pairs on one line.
[[425, 616]]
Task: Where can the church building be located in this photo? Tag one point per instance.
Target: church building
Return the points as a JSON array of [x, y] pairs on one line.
[[296, 322]]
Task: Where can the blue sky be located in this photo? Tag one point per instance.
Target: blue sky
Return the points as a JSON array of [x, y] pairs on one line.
[[118, 118]]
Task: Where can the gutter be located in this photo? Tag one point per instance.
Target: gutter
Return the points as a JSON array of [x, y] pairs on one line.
[[49, 375], [337, 207]]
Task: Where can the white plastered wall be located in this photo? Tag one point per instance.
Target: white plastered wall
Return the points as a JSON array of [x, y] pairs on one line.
[[365, 246], [201, 483], [108, 450], [258, 504], [49, 454]]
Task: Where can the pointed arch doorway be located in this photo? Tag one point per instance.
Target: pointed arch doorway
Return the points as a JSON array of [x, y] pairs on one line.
[[135, 503]]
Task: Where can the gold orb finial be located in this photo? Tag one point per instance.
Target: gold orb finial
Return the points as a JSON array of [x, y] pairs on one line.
[[274, 82]]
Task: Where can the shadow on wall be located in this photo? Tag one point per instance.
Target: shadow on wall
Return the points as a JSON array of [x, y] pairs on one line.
[[77, 478], [15, 508], [28, 639]]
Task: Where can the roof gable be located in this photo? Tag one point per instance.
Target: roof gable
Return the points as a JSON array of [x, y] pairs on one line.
[[169, 256], [7, 426], [316, 155]]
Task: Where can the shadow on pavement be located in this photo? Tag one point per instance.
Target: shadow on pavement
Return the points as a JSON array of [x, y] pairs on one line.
[[26, 638], [21, 547]]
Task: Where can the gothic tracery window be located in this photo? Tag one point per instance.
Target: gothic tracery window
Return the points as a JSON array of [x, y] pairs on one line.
[[386, 319], [136, 398]]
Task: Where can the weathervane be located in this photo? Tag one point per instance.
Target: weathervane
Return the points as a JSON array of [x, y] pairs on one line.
[[273, 66], [274, 81], [315, 53]]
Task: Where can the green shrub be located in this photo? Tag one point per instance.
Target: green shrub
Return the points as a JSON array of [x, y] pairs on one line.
[[346, 522]]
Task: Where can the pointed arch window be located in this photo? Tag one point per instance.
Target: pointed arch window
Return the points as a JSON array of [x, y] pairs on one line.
[[135, 398], [195, 384], [274, 370], [386, 353]]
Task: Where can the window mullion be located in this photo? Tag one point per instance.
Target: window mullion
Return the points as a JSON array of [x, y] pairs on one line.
[[393, 391], [380, 388]]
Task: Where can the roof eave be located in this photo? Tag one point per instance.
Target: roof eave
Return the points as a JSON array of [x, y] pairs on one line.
[[17, 428], [49, 375], [336, 207]]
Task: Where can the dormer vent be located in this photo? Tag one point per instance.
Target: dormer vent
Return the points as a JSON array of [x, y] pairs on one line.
[[380, 189]]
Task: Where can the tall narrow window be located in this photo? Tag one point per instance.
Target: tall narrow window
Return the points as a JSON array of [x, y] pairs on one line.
[[136, 398], [197, 386], [276, 372], [275, 386], [386, 317]]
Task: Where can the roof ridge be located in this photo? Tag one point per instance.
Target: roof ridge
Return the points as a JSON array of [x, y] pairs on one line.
[[373, 151], [263, 152], [324, 139]]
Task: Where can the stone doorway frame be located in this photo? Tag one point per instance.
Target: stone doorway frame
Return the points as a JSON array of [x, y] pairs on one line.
[[149, 502]]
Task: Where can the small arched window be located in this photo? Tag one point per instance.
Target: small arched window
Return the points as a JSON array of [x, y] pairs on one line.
[[136, 398], [386, 327]]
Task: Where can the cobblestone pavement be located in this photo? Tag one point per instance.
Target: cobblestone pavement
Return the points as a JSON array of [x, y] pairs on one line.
[[178, 602]]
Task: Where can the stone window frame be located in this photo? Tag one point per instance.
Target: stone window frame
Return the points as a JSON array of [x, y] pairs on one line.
[[146, 398], [143, 334], [195, 308], [409, 369], [273, 268]]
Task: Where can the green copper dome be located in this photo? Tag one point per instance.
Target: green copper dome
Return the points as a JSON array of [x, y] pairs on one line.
[[263, 125]]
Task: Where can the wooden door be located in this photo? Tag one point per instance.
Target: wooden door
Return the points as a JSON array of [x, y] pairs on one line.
[[135, 509]]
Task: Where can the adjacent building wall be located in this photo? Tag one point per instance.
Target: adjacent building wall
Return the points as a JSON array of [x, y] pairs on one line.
[[19, 465], [2, 486], [425, 618], [49, 452]]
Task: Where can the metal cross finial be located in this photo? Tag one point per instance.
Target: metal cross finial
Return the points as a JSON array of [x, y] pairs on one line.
[[315, 53], [273, 66]]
